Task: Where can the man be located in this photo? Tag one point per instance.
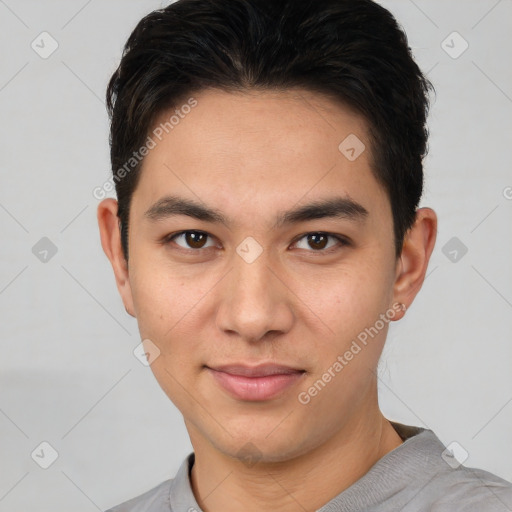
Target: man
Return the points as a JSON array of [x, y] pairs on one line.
[[267, 156]]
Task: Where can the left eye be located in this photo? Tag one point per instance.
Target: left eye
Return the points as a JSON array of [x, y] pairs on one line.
[[192, 240], [318, 241]]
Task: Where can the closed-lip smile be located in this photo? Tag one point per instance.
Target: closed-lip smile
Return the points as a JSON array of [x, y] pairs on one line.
[[255, 383]]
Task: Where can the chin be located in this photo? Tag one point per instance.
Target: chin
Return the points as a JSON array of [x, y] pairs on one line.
[[259, 449]]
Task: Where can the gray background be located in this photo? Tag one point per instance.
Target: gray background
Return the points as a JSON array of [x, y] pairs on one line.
[[67, 369]]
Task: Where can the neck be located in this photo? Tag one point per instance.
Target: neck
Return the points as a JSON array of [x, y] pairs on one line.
[[307, 482]]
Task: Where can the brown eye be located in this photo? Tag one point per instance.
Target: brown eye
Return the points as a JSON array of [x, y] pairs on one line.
[[318, 241], [192, 240], [196, 240]]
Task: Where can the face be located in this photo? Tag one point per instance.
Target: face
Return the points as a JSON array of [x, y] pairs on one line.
[[260, 254]]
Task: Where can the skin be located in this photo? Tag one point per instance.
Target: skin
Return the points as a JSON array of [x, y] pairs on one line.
[[253, 156]]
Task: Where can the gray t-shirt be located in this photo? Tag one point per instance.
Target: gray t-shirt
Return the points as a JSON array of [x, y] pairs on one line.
[[417, 476]]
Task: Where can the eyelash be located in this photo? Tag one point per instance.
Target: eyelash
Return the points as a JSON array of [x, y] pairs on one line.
[[342, 241]]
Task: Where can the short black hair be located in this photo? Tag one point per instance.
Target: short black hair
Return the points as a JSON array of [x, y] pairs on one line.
[[350, 50]]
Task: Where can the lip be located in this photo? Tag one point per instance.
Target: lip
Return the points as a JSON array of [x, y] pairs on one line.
[[255, 383]]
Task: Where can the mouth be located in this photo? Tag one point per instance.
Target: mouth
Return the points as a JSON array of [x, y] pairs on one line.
[[255, 383]]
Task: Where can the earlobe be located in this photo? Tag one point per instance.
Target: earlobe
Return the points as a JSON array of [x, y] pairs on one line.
[[413, 263], [108, 223]]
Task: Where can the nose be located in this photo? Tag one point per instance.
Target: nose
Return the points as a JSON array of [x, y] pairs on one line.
[[255, 303]]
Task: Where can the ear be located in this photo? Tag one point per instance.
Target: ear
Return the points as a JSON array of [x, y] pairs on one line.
[[413, 262], [111, 242]]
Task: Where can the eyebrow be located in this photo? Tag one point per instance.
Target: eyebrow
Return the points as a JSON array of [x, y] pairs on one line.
[[334, 207]]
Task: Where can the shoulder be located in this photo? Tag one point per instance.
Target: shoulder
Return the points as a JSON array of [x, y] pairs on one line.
[[154, 500], [468, 489], [430, 478], [173, 494]]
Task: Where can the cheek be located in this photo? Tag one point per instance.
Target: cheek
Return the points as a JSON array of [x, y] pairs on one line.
[[171, 307], [166, 315], [346, 300], [153, 301], [160, 299]]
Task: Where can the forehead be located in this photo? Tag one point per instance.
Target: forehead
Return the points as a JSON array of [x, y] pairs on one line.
[[246, 123], [259, 150]]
